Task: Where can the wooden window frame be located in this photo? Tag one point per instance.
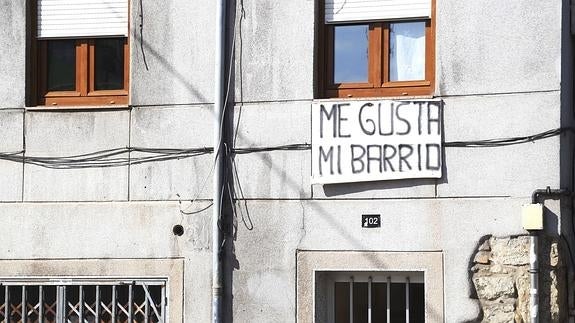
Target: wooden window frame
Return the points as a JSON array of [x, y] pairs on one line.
[[85, 95], [378, 84]]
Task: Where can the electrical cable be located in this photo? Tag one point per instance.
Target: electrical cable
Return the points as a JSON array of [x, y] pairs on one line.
[[292, 147], [235, 175], [508, 141], [106, 158], [115, 158], [240, 68], [142, 36], [197, 211], [221, 132]]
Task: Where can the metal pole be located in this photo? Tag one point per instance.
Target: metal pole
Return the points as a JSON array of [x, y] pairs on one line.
[[534, 275], [534, 249], [219, 111]]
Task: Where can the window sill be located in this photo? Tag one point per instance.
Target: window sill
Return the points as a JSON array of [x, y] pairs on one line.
[[78, 107], [377, 98]]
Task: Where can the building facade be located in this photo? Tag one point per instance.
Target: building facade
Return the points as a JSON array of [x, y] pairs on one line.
[[105, 186]]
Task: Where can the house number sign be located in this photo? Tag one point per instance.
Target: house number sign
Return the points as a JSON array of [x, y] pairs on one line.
[[370, 220]]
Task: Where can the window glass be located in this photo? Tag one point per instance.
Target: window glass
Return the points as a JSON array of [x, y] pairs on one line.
[[341, 302], [109, 64], [350, 54], [397, 302], [379, 303], [407, 51], [360, 303], [416, 302], [61, 65]]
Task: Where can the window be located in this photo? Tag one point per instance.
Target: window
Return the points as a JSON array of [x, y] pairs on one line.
[[362, 297], [71, 300], [342, 286], [81, 52], [372, 48]]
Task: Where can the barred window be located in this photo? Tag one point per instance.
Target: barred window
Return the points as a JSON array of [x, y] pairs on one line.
[[362, 297], [71, 300]]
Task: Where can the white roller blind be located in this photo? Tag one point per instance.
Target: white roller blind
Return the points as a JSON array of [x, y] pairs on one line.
[[365, 10], [82, 18]]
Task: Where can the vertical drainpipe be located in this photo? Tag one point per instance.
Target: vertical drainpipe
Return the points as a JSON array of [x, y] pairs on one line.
[[534, 250], [219, 114], [534, 276]]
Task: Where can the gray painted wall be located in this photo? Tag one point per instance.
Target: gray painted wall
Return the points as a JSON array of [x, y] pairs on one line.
[[499, 72]]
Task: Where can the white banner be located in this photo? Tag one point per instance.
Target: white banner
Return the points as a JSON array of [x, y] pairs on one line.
[[360, 141]]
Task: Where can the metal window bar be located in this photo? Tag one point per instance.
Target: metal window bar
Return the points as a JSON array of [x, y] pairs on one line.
[[97, 307], [3, 309], [40, 304], [406, 299], [146, 305], [388, 303], [81, 306], [369, 310], [163, 309], [130, 302], [7, 308], [149, 298], [64, 304], [60, 309], [24, 306], [351, 299]]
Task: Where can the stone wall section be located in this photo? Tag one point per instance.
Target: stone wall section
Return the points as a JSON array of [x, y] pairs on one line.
[[500, 275]]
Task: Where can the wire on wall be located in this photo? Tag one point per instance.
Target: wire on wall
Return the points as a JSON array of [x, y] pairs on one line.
[[118, 157], [510, 140]]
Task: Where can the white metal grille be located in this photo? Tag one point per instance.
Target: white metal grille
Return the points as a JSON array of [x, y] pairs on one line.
[[337, 11], [83, 301], [82, 18], [354, 303]]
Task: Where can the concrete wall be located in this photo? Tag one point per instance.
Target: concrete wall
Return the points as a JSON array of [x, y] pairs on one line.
[[499, 72]]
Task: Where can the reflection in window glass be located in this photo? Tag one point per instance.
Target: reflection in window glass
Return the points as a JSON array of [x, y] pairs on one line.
[[61, 65], [407, 51], [350, 54], [109, 64]]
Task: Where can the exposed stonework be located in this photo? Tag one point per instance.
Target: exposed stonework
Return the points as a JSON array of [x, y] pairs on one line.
[[510, 251], [493, 287], [500, 275]]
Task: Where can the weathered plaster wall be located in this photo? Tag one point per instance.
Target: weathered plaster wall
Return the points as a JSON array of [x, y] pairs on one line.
[[497, 74], [13, 58]]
